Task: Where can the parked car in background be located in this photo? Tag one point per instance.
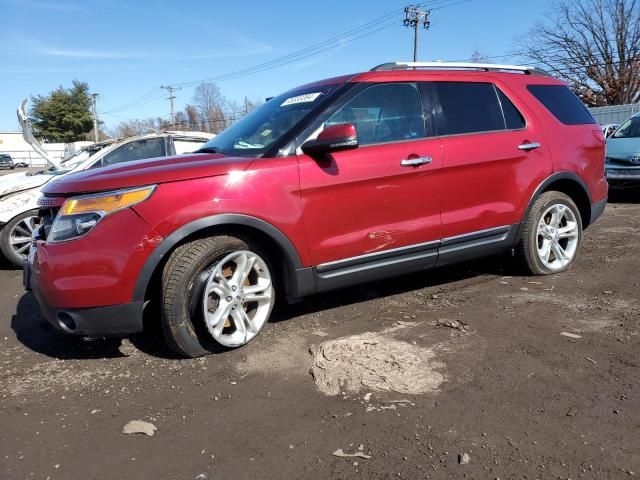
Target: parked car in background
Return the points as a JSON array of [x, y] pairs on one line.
[[623, 154], [608, 129], [19, 191], [6, 161], [347, 180], [21, 164]]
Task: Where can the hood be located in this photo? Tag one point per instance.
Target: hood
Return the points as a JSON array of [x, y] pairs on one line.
[[17, 182], [147, 172], [623, 148]]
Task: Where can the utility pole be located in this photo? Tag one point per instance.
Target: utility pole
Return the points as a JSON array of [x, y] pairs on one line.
[[95, 116], [414, 17], [171, 98]]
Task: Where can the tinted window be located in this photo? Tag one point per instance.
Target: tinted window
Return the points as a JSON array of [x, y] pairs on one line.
[[384, 113], [138, 150], [512, 117], [562, 103], [468, 108], [629, 129]]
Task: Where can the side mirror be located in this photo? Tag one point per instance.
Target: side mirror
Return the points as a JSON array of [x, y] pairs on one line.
[[333, 139]]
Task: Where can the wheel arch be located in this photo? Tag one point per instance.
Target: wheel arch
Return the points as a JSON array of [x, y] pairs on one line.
[[291, 271], [570, 184]]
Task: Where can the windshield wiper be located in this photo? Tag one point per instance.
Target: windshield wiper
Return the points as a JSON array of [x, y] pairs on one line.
[[208, 150]]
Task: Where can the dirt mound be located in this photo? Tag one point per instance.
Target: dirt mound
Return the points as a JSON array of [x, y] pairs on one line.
[[374, 362]]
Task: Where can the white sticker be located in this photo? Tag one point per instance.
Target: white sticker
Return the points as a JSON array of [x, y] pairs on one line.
[[306, 98]]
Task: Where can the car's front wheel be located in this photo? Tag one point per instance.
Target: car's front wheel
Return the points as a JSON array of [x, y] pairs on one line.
[[217, 292], [15, 237], [550, 235]]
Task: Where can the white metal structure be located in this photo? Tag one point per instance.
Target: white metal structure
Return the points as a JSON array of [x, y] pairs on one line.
[[459, 66]]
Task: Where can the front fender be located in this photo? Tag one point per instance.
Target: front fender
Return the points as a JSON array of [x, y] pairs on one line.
[[18, 203]]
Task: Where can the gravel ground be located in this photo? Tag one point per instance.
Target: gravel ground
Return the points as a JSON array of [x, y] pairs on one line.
[[500, 391]]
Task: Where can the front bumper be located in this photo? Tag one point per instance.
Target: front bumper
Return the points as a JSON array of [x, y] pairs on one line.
[[86, 286], [111, 320], [619, 173]]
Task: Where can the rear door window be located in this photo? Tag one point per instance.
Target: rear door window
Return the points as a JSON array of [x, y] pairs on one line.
[[468, 108], [137, 150], [384, 113], [562, 103]]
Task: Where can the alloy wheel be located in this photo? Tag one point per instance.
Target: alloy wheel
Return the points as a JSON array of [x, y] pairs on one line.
[[557, 237], [20, 235], [237, 298]]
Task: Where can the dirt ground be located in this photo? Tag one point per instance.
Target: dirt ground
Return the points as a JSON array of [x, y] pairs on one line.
[[430, 367]]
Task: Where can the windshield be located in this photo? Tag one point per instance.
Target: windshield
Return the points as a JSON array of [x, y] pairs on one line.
[[257, 132], [629, 129]]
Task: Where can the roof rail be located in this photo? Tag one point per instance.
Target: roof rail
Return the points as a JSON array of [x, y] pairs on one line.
[[487, 67]]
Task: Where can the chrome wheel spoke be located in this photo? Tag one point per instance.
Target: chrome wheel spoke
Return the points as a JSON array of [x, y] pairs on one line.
[[545, 251], [241, 272], [217, 319], [19, 240], [240, 322], [570, 231], [559, 252]]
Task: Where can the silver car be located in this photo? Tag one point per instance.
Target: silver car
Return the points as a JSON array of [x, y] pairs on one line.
[[6, 161]]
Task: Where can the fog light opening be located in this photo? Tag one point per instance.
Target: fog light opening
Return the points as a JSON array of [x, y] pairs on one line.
[[66, 322]]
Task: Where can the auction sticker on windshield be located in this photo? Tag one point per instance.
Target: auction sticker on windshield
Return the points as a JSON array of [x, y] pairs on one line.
[[306, 98]]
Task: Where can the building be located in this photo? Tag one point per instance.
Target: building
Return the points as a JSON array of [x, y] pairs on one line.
[[13, 144]]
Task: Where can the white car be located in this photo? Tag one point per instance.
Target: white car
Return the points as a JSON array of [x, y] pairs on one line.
[[19, 192]]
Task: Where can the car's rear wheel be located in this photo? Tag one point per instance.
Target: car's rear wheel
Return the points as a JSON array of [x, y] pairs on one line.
[[218, 292], [15, 237], [551, 234]]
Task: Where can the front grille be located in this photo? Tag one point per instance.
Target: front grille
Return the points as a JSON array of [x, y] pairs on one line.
[[47, 216], [618, 161]]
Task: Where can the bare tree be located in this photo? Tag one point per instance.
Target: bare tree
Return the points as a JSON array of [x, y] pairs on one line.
[[211, 106], [129, 128], [193, 120], [180, 121], [594, 45]]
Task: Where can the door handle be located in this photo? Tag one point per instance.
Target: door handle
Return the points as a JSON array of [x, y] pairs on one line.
[[529, 146], [416, 162]]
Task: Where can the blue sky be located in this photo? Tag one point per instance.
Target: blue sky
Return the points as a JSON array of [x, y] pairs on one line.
[[126, 49]]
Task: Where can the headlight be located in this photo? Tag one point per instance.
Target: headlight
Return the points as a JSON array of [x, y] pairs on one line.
[[79, 215]]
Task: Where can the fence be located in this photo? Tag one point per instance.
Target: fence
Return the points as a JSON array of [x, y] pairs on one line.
[[614, 114]]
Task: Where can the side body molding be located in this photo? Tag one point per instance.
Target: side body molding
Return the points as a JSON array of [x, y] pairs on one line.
[[299, 280]]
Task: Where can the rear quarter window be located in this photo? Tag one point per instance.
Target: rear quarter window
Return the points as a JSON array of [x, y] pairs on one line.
[[562, 103]]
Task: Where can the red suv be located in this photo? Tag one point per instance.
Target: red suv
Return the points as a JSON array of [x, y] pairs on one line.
[[405, 167]]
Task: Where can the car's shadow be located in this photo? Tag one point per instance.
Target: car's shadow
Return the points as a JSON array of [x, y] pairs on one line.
[[624, 195], [33, 330]]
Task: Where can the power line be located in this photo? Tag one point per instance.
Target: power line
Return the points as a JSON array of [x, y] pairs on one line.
[[383, 22]]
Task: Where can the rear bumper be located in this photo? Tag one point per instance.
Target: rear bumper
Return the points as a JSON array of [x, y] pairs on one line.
[[597, 209]]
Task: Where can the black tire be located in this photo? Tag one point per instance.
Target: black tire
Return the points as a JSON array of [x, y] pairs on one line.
[[5, 239], [183, 280], [526, 250]]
